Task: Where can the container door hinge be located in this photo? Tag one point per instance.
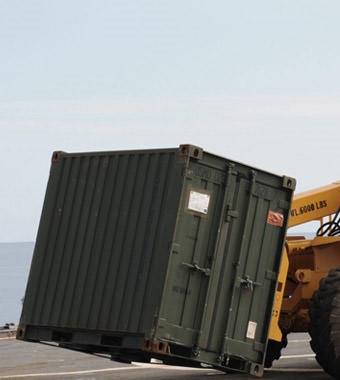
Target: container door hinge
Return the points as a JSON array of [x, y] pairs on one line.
[[270, 275], [194, 267]]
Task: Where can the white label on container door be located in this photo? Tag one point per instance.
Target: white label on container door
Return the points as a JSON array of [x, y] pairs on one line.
[[251, 330], [199, 202]]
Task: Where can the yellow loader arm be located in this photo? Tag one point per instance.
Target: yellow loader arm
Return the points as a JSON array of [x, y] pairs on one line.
[[315, 204]]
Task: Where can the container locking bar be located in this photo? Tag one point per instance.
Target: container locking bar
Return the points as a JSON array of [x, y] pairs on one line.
[[194, 267], [247, 283]]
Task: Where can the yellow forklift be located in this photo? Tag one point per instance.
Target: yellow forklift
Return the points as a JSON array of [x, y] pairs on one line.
[[308, 292]]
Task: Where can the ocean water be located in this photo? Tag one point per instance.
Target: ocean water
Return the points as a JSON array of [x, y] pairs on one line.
[[15, 261]]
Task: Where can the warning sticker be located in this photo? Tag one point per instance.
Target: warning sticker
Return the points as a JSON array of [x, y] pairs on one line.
[[199, 202], [251, 330], [275, 218]]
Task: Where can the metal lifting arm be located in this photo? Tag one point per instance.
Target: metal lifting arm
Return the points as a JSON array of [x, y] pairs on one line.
[[315, 204]]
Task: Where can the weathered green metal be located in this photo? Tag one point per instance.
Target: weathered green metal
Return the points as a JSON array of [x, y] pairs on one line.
[[169, 253]]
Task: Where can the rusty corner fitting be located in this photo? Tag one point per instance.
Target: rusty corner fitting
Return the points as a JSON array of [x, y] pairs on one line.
[[156, 346]]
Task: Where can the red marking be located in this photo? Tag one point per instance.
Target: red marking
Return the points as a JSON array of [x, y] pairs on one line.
[[275, 218]]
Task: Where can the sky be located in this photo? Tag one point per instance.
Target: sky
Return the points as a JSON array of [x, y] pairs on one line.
[[253, 81]]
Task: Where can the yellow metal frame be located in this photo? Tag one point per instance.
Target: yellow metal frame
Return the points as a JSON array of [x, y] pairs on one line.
[[307, 206], [275, 331]]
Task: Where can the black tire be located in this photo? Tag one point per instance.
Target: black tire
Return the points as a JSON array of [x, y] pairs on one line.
[[325, 323], [274, 350]]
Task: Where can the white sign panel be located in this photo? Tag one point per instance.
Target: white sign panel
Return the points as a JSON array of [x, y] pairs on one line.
[[199, 202], [251, 330]]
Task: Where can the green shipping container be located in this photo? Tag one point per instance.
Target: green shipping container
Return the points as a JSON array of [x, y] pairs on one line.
[[166, 253]]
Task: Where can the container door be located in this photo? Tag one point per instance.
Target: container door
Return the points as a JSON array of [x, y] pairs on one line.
[[243, 278], [191, 255]]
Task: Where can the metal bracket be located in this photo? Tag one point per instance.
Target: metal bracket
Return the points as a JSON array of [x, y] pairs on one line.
[[191, 151], [247, 283], [288, 182], [194, 267], [229, 214]]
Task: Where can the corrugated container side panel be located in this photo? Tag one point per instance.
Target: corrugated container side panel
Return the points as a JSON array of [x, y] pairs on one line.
[[134, 233], [101, 261], [31, 307], [88, 277], [155, 244], [88, 225], [101, 249], [56, 290], [46, 276], [148, 258], [118, 221]]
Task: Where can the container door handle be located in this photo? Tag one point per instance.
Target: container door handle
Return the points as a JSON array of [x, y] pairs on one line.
[[247, 283], [194, 267]]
